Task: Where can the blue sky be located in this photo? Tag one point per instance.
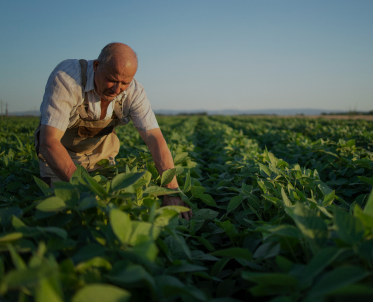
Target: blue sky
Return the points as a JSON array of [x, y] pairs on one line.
[[205, 54]]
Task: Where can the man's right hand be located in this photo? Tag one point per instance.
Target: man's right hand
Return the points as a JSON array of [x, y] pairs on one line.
[[55, 153]]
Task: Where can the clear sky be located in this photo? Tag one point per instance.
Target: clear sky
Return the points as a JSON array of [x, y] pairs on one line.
[[200, 54]]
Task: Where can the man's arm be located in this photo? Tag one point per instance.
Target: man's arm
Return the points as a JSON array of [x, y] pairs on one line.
[[55, 153], [163, 161]]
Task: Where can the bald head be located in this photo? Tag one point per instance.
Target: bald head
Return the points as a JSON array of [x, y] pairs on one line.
[[114, 70], [118, 54]]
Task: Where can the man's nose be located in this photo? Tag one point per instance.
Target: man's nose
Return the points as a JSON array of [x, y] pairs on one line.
[[116, 88]]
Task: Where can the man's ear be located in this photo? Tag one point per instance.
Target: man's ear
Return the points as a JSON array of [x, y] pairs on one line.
[[95, 65]]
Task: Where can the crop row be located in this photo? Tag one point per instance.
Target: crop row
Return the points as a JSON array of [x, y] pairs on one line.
[[281, 207]]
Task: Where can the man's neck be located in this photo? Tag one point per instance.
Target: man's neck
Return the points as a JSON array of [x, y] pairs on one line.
[[104, 104]]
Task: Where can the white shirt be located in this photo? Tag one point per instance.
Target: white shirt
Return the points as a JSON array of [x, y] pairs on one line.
[[64, 93]]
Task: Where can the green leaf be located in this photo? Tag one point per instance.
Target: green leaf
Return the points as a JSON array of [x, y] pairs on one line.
[[229, 228], [88, 251], [49, 290], [367, 180], [103, 162], [366, 219], [164, 216], [96, 187], [18, 262], [349, 228], [206, 243], [324, 188], [282, 230], [70, 197], [146, 249], [157, 191], [284, 264], [152, 170], [100, 178], [234, 203], [188, 183], [51, 204], [354, 290], [312, 227], [267, 250], [42, 185], [6, 215], [121, 225], [143, 231], [177, 209], [319, 262], [101, 292], [10, 237], [57, 231], [207, 199], [177, 245], [246, 189], [271, 279], [368, 209], [197, 192], [219, 265], [273, 159], [78, 175], [132, 274], [87, 203], [180, 158], [168, 176], [264, 169], [328, 199], [124, 180], [204, 214], [234, 252], [285, 199], [184, 268], [17, 223], [336, 279], [94, 262], [253, 200]]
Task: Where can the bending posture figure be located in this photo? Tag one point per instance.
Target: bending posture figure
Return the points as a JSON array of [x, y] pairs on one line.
[[83, 102]]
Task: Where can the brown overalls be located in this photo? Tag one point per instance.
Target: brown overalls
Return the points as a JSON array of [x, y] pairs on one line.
[[87, 141]]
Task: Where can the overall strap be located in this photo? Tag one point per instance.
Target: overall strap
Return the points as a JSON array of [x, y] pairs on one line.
[[121, 110], [83, 67]]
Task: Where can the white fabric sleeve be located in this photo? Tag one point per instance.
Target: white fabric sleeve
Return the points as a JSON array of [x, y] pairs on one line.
[[61, 95], [141, 112]]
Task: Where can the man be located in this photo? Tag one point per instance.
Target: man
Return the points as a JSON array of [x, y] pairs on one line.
[[83, 102]]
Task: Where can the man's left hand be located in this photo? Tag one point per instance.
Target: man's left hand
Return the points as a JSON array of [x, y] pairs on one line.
[[176, 201]]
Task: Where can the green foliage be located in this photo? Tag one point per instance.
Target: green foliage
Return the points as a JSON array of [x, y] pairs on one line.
[[282, 211]]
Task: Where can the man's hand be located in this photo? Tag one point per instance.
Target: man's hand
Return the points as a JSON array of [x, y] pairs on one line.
[[176, 201]]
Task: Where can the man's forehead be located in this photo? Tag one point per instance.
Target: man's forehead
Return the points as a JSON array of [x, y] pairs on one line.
[[121, 68]]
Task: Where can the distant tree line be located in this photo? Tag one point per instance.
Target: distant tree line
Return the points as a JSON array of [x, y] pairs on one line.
[[193, 113], [350, 112]]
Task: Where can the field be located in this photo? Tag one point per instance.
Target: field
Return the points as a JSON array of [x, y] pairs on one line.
[[282, 212]]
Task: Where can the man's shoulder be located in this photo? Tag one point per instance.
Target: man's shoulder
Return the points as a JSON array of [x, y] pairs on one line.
[[135, 87], [67, 65], [68, 69]]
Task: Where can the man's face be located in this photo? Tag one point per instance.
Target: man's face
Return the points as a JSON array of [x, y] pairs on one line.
[[112, 78]]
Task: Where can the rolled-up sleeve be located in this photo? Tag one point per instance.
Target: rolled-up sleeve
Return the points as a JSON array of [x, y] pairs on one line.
[[141, 112], [60, 96]]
